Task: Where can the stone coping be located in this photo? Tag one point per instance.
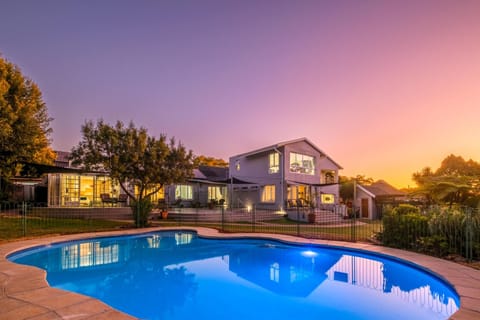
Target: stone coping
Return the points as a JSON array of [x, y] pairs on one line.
[[25, 293]]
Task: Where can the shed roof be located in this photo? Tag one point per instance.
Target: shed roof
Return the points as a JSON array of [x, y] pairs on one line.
[[382, 189]]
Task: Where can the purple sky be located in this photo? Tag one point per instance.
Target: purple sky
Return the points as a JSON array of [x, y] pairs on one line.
[[384, 87]]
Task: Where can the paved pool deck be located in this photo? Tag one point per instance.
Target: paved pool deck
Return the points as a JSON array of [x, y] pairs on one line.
[[25, 293]]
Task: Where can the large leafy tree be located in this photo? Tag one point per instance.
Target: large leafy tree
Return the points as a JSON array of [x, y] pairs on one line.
[[456, 181], [133, 158], [24, 122], [209, 161]]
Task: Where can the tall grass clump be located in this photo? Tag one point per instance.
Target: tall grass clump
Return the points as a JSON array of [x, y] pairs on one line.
[[403, 226], [453, 230], [438, 231]]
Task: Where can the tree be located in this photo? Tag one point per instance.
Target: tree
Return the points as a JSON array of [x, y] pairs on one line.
[[209, 161], [133, 158], [456, 181], [24, 122]]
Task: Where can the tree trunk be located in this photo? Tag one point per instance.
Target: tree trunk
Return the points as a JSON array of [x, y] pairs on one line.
[[141, 209]]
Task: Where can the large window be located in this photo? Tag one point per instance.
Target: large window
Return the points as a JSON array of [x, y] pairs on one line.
[[273, 162], [268, 193], [70, 190], [301, 163], [215, 193], [298, 192], [104, 184], [184, 192], [154, 197]]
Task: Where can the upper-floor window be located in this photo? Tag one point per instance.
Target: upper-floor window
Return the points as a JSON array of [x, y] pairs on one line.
[[273, 162], [301, 163], [328, 177], [237, 165]]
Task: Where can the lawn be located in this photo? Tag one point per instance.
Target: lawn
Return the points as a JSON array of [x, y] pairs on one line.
[[13, 227], [362, 231]]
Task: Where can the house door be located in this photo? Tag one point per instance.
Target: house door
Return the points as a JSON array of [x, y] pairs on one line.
[[365, 208]]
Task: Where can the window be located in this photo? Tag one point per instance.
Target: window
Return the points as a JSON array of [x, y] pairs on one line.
[[154, 197], [70, 190], [273, 162], [184, 192], [215, 193], [237, 165], [268, 193], [328, 198], [104, 184], [328, 176], [301, 163]]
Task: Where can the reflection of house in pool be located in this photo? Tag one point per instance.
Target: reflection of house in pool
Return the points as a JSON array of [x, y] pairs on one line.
[[285, 271], [395, 279]]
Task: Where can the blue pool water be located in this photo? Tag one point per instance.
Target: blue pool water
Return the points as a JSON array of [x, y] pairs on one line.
[[178, 275]]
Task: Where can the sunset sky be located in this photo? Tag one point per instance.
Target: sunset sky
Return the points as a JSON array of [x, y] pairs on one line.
[[384, 87]]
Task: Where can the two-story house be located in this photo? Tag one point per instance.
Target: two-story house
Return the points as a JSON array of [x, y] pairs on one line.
[[286, 174]]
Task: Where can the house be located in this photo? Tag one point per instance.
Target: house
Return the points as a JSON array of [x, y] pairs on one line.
[[208, 186], [285, 175], [63, 185], [277, 177], [67, 186], [369, 199]]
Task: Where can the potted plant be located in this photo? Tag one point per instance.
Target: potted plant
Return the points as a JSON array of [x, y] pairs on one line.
[[164, 212], [212, 204]]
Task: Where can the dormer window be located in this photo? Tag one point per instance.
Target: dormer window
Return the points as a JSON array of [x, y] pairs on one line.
[[273, 162]]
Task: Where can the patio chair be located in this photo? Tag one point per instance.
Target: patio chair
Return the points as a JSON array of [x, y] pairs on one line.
[[122, 199], [291, 203], [107, 199], [301, 203]]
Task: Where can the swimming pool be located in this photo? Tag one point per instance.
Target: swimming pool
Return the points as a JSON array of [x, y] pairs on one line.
[[177, 275]]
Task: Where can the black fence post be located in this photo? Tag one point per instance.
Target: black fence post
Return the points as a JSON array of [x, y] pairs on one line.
[[24, 218], [298, 221], [254, 209], [223, 219], [468, 236], [354, 224]]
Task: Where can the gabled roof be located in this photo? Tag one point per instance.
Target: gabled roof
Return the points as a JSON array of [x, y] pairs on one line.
[[214, 173], [282, 144], [210, 174], [382, 189], [62, 158]]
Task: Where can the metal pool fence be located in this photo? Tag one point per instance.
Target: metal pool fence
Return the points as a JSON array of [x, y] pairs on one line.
[[301, 222], [435, 231]]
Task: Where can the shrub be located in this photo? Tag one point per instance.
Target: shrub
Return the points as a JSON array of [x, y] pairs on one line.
[[434, 245], [140, 210], [438, 231], [403, 227]]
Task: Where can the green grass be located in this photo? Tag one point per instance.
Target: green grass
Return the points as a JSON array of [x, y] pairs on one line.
[[363, 232], [12, 228]]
